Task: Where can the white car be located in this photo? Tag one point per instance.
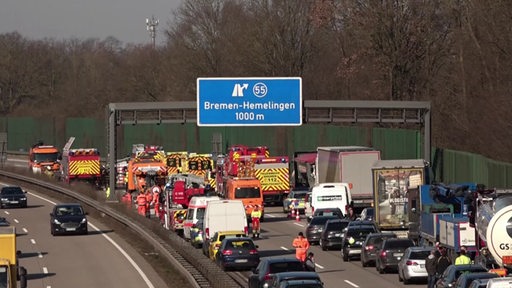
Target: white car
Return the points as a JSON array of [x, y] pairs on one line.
[[412, 264]]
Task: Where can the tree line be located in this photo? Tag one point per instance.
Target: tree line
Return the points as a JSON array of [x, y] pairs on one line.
[[454, 53]]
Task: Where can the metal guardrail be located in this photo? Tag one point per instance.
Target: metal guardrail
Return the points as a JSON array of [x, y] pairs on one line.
[[198, 270]]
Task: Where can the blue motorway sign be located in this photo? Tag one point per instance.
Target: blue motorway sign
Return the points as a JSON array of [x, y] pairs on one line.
[[249, 101]]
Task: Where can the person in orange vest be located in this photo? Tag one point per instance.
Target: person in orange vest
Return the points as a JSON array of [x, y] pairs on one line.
[[149, 199], [301, 245], [141, 204], [156, 200]]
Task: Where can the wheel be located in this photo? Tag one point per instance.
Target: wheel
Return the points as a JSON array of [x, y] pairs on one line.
[[322, 244], [400, 279], [364, 263], [406, 281]]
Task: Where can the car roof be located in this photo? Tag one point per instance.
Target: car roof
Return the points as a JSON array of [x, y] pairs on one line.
[[467, 267], [296, 282], [355, 227], [334, 220], [230, 232], [67, 204], [420, 248], [280, 259], [380, 234], [328, 209], [238, 239], [361, 222]]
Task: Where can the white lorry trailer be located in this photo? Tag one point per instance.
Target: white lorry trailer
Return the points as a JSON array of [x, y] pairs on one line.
[[348, 164]]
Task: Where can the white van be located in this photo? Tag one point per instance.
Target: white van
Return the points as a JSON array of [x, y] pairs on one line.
[[195, 212], [501, 282], [224, 215], [328, 195]]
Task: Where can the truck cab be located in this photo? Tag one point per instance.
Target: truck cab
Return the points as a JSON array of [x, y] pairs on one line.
[[10, 271], [43, 157], [248, 190]]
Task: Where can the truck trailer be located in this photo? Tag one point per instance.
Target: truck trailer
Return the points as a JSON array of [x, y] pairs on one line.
[[348, 164], [393, 182]]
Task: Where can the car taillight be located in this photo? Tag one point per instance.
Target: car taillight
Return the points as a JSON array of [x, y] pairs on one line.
[[370, 247], [411, 263], [246, 230], [253, 251], [207, 231], [383, 254], [267, 277], [227, 252]]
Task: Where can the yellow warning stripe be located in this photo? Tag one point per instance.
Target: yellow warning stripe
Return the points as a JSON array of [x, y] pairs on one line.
[[84, 167]]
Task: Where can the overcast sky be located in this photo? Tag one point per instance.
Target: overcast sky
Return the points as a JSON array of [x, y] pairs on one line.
[[66, 19]]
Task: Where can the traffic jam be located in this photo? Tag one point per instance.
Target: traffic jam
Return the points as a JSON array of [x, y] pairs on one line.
[[383, 214]]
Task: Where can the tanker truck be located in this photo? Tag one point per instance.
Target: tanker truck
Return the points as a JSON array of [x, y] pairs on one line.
[[493, 224]]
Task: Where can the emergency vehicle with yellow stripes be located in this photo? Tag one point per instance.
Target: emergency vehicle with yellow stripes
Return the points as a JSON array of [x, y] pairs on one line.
[[81, 164], [272, 171], [201, 165], [176, 162], [235, 178]]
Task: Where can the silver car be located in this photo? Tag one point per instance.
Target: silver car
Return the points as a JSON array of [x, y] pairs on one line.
[[412, 265]]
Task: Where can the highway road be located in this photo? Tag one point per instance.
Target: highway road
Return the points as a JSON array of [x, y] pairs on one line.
[[99, 259], [278, 233]]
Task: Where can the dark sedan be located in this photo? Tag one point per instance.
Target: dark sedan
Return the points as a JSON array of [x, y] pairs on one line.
[[371, 246], [332, 236], [452, 273], [390, 254], [237, 253], [68, 218], [316, 227], [13, 196], [270, 266]]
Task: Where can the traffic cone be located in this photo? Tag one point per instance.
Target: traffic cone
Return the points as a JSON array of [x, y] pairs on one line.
[[297, 216]]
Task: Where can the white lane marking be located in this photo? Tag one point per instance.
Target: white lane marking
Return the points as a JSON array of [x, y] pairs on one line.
[[25, 230], [284, 248], [132, 262], [298, 224], [39, 254], [319, 266], [141, 273], [42, 198], [351, 284], [270, 215], [6, 212], [16, 220], [45, 270]]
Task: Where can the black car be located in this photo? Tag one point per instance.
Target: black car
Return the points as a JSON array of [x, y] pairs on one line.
[[372, 245], [326, 212], [465, 279], [306, 283], [353, 239], [68, 218], [281, 278], [332, 236], [261, 275], [362, 223], [452, 273], [237, 253], [316, 227], [391, 252], [13, 196]]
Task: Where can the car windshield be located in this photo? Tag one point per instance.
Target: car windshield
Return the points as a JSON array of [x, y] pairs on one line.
[[240, 244], [11, 191], [46, 157], [419, 255], [200, 213], [286, 267], [247, 192], [69, 210]]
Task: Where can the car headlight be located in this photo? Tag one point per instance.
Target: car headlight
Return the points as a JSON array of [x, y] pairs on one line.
[[83, 221], [23, 199], [3, 199], [56, 221]]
